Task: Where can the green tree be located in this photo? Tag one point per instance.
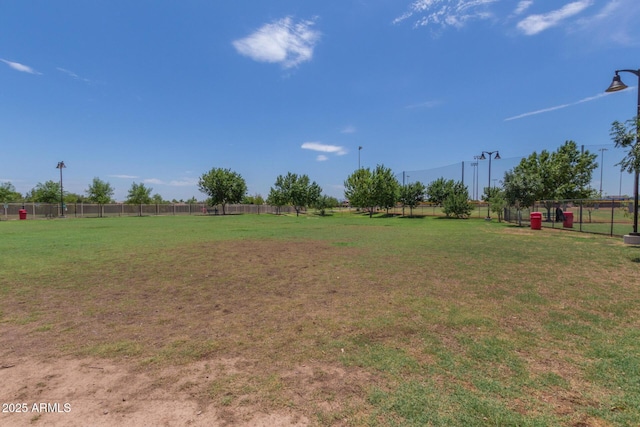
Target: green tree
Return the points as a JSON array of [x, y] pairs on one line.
[[438, 190], [497, 201], [563, 174], [48, 192], [520, 190], [223, 186], [276, 198], [8, 193], [158, 200], [100, 192], [325, 202], [625, 135], [386, 188], [456, 202], [358, 189], [139, 194], [297, 191], [412, 194], [367, 189]]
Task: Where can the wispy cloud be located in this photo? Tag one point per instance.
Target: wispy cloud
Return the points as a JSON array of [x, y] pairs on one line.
[[185, 182], [446, 13], [534, 24], [322, 158], [522, 6], [153, 181], [426, 104], [349, 129], [284, 41], [20, 67], [557, 107], [124, 176], [73, 75]]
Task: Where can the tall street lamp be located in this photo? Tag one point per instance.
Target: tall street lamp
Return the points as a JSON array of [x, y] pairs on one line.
[[615, 86], [482, 157], [359, 150], [475, 174], [602, 150], [61, 166]]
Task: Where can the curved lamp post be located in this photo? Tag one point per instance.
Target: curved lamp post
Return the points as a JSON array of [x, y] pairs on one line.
[[482, 157], [617, 85], [61, 166]]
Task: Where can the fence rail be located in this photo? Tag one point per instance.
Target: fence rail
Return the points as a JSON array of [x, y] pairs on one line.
[[87, 210]]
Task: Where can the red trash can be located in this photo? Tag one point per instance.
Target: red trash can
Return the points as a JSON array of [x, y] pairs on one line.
[[536, 220], [568, 220], [22, 213]]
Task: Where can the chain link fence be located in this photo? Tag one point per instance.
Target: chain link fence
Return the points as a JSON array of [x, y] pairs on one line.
[[612, 217]]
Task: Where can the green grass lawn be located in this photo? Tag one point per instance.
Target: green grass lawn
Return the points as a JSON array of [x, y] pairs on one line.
[[446, 322]]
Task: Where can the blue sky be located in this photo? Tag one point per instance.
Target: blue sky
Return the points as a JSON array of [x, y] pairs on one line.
[[160, 92]]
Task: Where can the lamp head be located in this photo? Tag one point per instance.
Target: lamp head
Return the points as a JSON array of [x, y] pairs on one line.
[[616, 84], [482, 157], [497, 157]]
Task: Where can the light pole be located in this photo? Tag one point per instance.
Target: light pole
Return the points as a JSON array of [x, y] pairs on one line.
[[615, 86], [61, 166], [602, 150], [474, 165], [482, 157], [359, 149]]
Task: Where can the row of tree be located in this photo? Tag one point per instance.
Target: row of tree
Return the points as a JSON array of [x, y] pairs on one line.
[[99, 191], [548, 176]]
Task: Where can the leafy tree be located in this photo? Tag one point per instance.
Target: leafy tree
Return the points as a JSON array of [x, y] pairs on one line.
[[497, 201], [367, 189], [520, 190], [438, 190], [48, 192], [358, 189], [456, 202], [100, 192], [158, 200], [298, 191], [625, 135], [386, 188], [256, 199], [412, 194], [191, 201], [74, 198], [325, 202], [563, 174], [223, 186], [8, 193], [276, 198], [139, 194]]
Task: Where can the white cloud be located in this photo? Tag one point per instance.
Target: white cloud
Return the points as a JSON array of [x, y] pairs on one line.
[[349, 129], [282, 41], [124, 176], [185, 182], [324, 148], [534, 24], [153, 181], [447, 13], [522, 6], [20, 67], [322, 158], [426, 104], [557, 107]]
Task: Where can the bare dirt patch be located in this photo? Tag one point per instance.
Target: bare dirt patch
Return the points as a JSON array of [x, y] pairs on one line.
[[199, 336]]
